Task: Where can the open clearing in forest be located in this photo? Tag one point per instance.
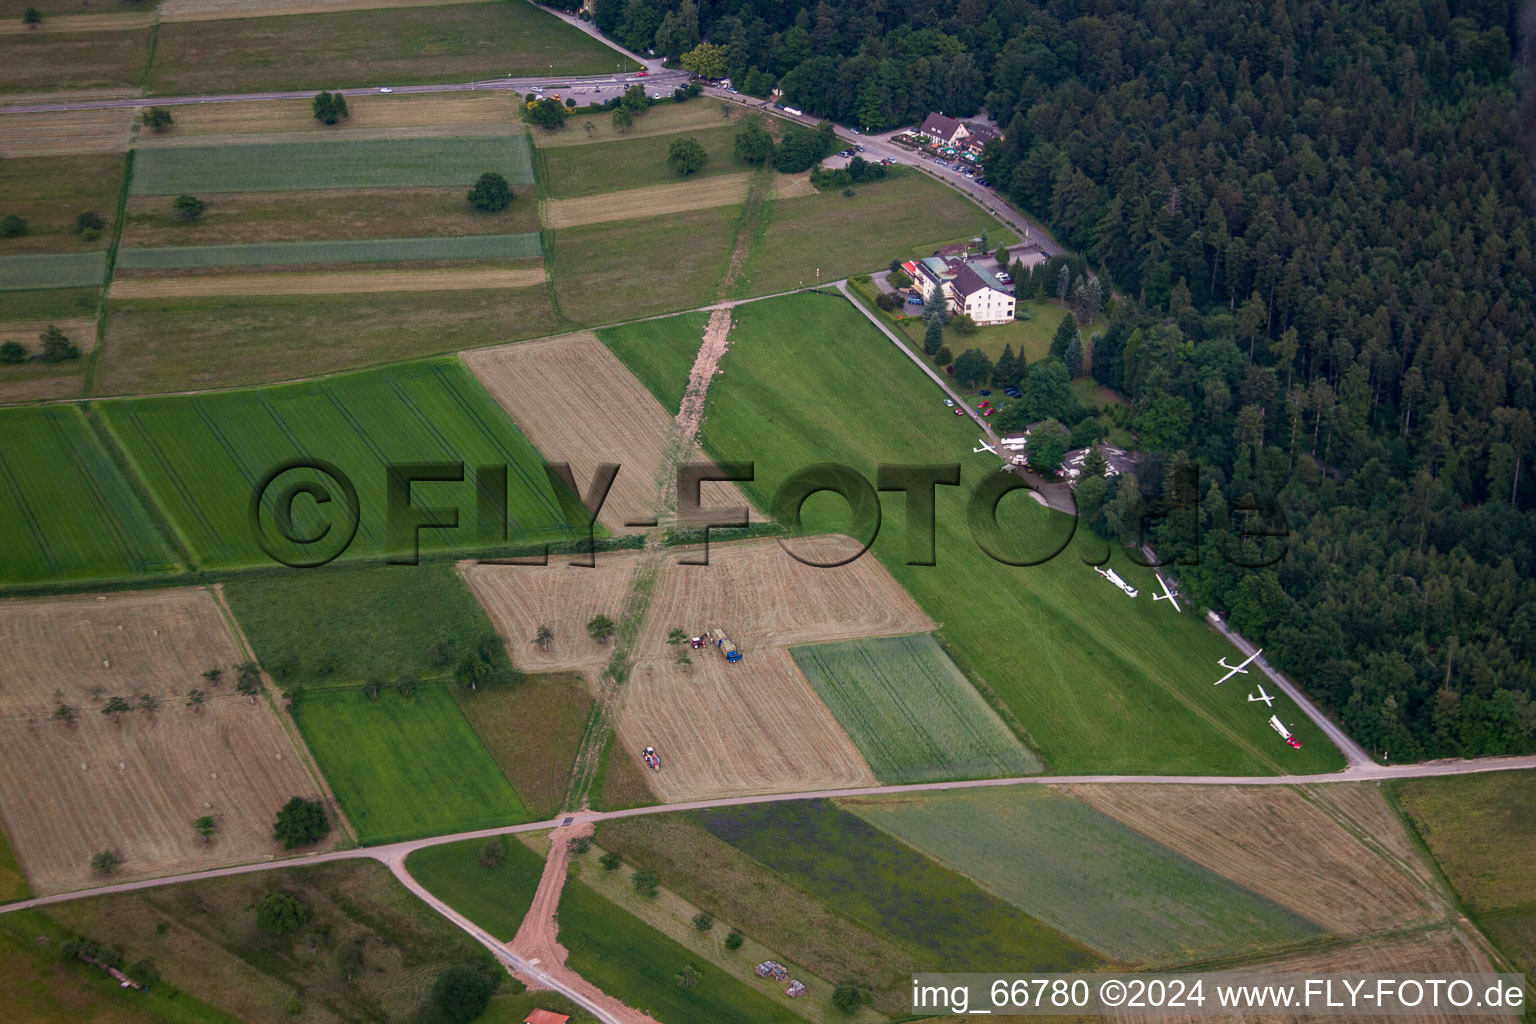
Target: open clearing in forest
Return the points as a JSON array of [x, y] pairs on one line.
[[330, 163], [66, 132], [68, 791], [66, 511], [653, 201], [400, 116], [339, 283], [202, 457], [1276, 843], [911, 713], [1105, 884], [578, 404]]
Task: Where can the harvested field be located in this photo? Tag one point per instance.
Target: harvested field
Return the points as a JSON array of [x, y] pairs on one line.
[[547, 387], [402, 116], [519, 599], [65, 132], [370, 250], [52, 270], [662, 119], [466, 279], [332, 163], [654, 201], [1363, 808], [45, 61], [324, 215], [1275, 843], [217, 10], [764, 598], [734, 730], [1427, 954], [68, 791]]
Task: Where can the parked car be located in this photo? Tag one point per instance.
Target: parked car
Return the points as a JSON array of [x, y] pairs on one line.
[[958, 412], [949, 402], [984, 392], [984, 182], [1003, 277], [641, 74], [989, 412], [915, 300], [858, 147]]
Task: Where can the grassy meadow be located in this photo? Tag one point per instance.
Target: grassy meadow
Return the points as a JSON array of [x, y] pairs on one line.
[[50, 192], [533, 731], [53, 270], [572, 171], [497, 897], [387, 46], [174, 344], [662, 119], [655, 353], [44, 61], [912, 714], [371, 250], [331, 164], [405, 767], [1472, 825], [888, 887], [13, 884], [67, 512], [1099, 682], [1097, 880], [379, 621]]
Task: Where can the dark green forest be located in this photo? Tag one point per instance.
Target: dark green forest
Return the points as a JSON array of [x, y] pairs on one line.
[[1316, 219]]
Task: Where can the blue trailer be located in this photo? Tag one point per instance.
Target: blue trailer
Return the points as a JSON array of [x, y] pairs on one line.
[[724, 643]]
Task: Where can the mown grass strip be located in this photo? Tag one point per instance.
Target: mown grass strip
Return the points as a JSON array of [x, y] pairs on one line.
[[365, 163], [362, 250], [53, 270]]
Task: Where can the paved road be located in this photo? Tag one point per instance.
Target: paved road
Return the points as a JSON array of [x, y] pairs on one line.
[[397, 852]]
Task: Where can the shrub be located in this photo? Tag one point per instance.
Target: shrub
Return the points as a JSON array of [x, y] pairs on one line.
[[189, 207], [11, 226], [281, 914], [888, 301], [944, 357], [300, 823], [492, 853], [847, 999], [610, 861], [734, 939], [106, 861], [703, 922], [89, 224], [13, 352], [491, 193], [462, 992], [646, 883]]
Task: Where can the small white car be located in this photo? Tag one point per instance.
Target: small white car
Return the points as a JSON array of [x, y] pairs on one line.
[[949, 403], [385, 88]]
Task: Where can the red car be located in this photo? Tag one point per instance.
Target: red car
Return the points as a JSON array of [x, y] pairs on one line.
[[989, 412], [959, 412], [641, 74]]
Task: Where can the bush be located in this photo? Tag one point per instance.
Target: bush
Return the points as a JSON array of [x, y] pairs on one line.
[[281, 914], [580, 845], [189, 207], [491, 193], [493, 853], [735, 939], [11, 226], [330, 107], [462, 992], [686, 156], [703, 922], [300, 823], [157, 118], [847, 999], [646, 883], [888, 301], [13, 352], [89, 223], [944, 357], [106, 861], [611, 861]]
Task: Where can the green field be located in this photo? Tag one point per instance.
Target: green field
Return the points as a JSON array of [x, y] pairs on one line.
[[49, 192], [13, 884], [637, 964], [370, 250], [162, 345], [52, 270], [495, 898], [1097, 880], [571, 171], [768, 907], [620, 781], [1474, 825], [343, 163], [533, 730], [1102, 683], [51, 304], [204, 456], [886, 886], [66, 510], [907, 214], [405, 767], [653, 352], [379, 621], [912, 714], [389, 46], [50, 61], [603, 275], [202, 938]]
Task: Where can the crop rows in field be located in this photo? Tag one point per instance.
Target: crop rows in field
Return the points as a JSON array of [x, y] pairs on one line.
[[403, 767], [360, 250], [367, 163], [204, 456], [65, 509], [910, 711], [52, 270]]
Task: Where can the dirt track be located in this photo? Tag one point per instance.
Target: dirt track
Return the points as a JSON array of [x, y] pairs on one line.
[[537, 940]]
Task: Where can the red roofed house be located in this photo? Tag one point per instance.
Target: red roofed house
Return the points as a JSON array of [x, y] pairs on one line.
[[545, 1017], [947, 130]]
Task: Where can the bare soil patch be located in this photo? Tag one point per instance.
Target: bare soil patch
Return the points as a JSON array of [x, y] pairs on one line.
[[520, 598], [1276, 843], [66, 132], [652, 201], [537, 939], [326, 284], [134, 785], [577, 403]]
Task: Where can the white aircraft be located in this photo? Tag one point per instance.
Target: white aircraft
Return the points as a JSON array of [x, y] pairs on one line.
[[1167, 594], [1114, 578], [1268, 699], [1236, 670], [984, 446]]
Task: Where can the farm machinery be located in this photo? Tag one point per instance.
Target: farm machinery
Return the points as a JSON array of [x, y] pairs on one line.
[[652, 761], [724, 643]]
